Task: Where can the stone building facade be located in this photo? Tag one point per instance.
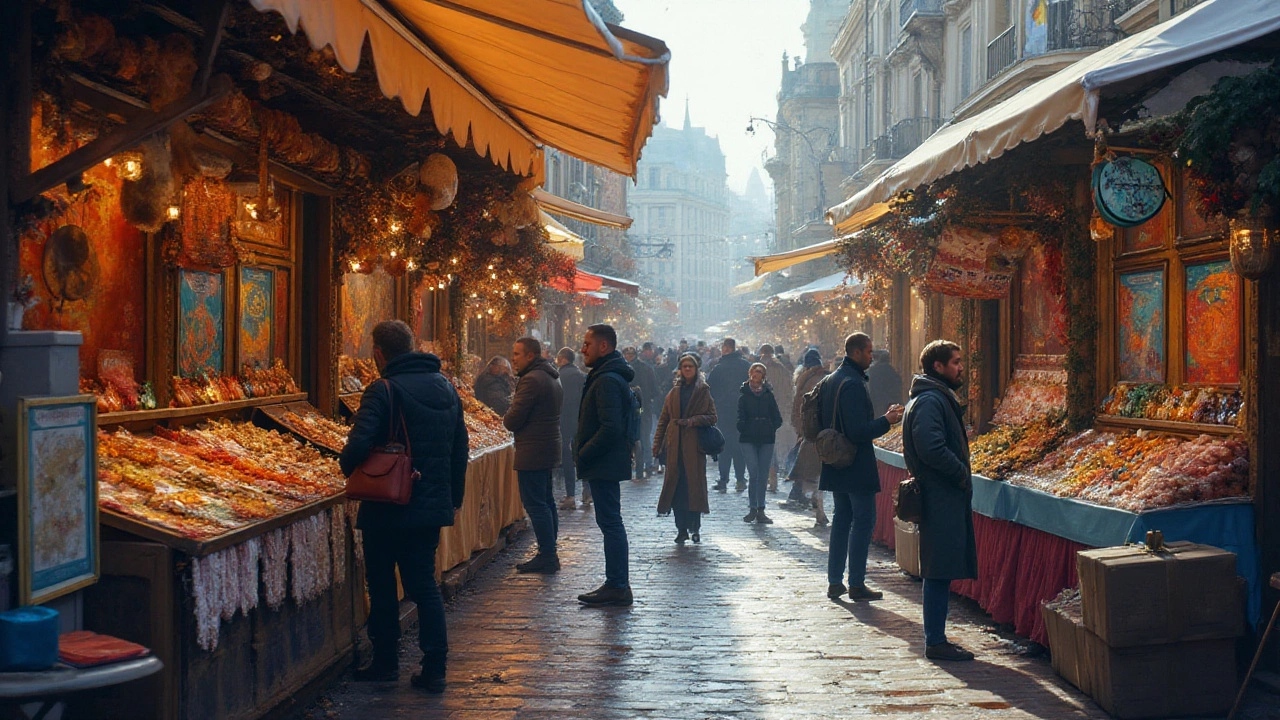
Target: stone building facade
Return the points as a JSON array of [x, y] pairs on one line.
[[680, 208]]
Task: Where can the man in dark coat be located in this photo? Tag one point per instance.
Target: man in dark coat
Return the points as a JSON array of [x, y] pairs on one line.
[[603, 455], [853, 488], [652, 403], [646, 383], [571, 380], [884, 382], [936, 449], [726, 381], [534, 417], [413, 398]]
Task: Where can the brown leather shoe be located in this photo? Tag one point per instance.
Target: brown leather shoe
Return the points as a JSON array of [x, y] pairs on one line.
[[864, 593], [947, 651]]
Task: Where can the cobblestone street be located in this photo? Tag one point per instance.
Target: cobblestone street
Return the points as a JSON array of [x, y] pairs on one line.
[[738, 626]]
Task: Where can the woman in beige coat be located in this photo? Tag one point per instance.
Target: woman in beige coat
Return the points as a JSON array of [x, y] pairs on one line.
[[684, 489]]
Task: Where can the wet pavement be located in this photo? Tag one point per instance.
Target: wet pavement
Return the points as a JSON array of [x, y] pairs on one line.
[[736, 627]]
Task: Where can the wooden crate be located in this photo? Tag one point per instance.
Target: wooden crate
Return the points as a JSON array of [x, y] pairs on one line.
[[906, 538], [1132, 597], [1065, 632], [1185, 679]]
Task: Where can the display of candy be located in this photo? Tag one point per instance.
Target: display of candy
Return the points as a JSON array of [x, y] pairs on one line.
[[317, 428], [1031, 395], [1010, 448], [356, 373], [1186, 403], [210, 388], [484, 426], [111, 399], [892, 440], [201, 483]]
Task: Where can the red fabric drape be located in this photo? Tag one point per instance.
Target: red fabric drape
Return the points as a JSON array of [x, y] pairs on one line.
[[890, 476]]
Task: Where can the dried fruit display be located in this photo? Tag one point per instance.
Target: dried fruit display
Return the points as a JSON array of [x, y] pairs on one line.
[[357, 373], [211, 388], [892, 440], [484, 426], [317, 428], [1185, 403], [1032, 395], [202, 483], [1010, 448]]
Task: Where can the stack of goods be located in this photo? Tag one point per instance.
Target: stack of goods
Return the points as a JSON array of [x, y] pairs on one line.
[[209, 388], [1141, 471], [1010, 448], [1152, 631], [316, 428], [202, 483], [1033, 393], [484, 426], [356, 373], [891, 441], [1187, 403], [111, 398]]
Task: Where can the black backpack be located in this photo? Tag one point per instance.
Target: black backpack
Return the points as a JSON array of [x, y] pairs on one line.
[[631, 411]]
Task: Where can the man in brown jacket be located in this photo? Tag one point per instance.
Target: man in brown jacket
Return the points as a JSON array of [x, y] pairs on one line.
[[534, 417]]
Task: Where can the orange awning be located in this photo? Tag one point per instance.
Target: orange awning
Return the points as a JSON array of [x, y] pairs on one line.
[[509, 76], [582, 282]]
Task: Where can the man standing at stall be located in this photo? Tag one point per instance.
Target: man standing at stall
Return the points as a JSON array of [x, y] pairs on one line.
[[936, 449], [422, 405], [846, 408], [534, 417], [726, 380], [571, 380], [603, 455]]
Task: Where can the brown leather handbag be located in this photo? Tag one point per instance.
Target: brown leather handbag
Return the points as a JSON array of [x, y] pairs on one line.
[[387, 475]]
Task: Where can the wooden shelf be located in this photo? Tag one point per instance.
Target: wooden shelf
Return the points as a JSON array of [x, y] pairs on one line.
[[134, 416], [1169, 426]]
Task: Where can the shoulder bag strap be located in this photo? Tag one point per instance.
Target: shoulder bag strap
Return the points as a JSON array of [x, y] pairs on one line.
[[404, 430], [836, 424]]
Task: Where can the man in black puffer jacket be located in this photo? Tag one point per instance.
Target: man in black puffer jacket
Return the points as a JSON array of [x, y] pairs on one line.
[[407, 535], [604, 455]]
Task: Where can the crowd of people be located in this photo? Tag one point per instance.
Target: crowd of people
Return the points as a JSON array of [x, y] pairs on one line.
[[637, 412]]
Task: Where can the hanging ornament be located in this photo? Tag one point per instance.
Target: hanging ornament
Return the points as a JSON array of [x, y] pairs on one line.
[[439, 177]]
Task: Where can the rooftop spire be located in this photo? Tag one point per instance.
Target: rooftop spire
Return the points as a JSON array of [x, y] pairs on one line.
[[688, 123]]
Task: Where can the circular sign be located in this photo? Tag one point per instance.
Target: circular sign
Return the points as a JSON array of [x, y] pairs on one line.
[[1128, 191]]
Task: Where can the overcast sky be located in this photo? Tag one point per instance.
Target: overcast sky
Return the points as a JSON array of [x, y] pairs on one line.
[[725, 56]]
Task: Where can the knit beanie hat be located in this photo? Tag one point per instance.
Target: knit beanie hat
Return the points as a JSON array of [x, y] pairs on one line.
[[812, 358], [697, 360]]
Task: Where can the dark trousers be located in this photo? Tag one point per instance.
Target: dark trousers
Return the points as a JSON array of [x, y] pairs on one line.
[[851, 529], [734, 455], [607, 495], [414, 552], [686, 519], [937, 595], [540, 503], [567, 468], [644, 458]]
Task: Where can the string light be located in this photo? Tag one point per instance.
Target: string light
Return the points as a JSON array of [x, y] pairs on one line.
[[174, 212]]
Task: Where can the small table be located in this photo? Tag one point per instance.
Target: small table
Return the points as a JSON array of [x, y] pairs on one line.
[[49, 687]]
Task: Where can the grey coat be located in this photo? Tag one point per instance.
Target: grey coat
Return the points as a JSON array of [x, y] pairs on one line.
[[571, 381], [937, 453], [534, 416]]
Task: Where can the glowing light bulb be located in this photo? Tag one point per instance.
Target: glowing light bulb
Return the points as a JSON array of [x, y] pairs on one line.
[[132, 170], [393, 254], [453, 261], [108, 162], [174, 211], [411, 266], [355, 266], [395, 228]]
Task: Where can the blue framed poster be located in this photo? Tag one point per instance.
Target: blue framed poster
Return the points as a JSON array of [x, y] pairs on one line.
[[201, 303], [57, 496]]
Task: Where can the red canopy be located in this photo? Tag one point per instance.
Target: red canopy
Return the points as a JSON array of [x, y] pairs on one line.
[[582, 282]]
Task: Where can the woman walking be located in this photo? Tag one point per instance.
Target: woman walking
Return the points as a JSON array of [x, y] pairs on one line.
[[758, 423], [684, 487], [808, 466]]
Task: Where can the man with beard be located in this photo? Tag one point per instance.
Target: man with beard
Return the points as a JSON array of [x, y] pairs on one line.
[[937, 453]]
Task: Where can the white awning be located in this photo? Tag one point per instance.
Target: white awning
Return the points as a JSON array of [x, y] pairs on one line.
[[584, 213], [504, 76], [563, 239], [749, 286], [1071, 94], [783, 260], [822, 288]]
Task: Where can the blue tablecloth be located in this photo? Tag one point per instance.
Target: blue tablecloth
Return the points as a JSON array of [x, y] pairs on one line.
[[1229, 526]]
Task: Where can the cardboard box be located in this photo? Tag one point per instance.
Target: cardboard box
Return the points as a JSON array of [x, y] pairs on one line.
[[1185, 679], [906, 538], [1132, 597], [1065, 632]]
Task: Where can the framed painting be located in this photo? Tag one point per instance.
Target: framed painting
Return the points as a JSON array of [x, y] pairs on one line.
[[1150, 235], [1212, 318], [367, 299], [1141, 321], [1192, 226], [57, 496], [201, 319], [257, 316], [1042, 313]]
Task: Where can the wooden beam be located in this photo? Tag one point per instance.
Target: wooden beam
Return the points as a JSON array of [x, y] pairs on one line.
[[216, 23], [122, 138]]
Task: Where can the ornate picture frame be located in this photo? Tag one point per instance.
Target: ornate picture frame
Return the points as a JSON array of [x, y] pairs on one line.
[[58, 550]]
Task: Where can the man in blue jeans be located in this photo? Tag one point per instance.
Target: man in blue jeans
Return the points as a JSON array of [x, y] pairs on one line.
[[534, 417], [846, 407], [604, 455]]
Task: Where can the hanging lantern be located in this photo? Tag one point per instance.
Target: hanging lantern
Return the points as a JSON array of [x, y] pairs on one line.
[[1252, 246], [439, 177]]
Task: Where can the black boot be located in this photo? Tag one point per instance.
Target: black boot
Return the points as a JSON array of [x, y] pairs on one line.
[[542, 564], [431, 678], [385, 667]]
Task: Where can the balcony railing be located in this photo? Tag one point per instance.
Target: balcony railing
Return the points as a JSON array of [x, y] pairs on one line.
[[1078, 24], [908, 8], [1002, 52], [901, 139]]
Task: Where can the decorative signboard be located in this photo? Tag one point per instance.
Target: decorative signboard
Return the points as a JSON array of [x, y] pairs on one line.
[[57, 496], [1141, 322], [1127, 191], [1212, 315], [974, 263]]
